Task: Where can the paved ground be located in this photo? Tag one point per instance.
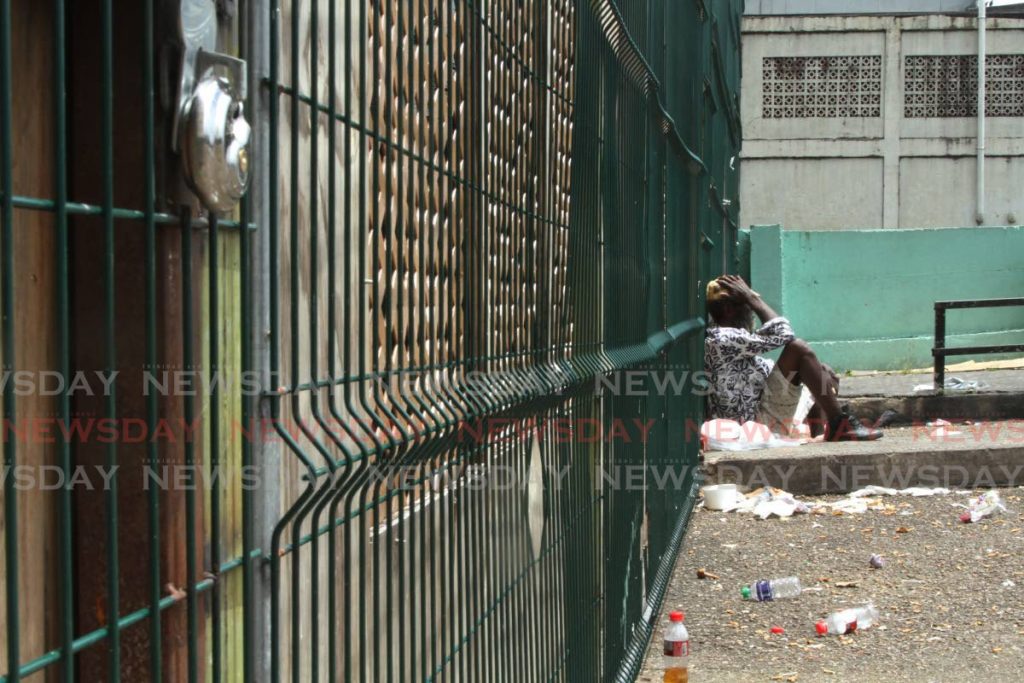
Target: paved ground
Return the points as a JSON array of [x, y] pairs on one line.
[[946, 615], [899, 384]]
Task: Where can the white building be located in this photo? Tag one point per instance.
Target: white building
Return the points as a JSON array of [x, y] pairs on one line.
[[855, 120]]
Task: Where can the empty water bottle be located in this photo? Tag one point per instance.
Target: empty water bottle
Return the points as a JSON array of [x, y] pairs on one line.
[[676, 651], [848, 621], [773, 589]]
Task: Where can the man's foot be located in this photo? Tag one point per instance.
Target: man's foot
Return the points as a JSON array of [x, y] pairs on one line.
[[848, 428]]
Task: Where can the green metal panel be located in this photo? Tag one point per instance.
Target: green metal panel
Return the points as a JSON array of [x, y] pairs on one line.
[[466, 216]]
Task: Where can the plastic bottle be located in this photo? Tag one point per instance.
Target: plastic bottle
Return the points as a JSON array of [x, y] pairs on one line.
[[774, 589], [848, 621], [676, 657]]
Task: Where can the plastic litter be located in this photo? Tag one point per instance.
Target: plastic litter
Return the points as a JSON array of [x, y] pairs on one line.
[[916, 491], [777, 630], [983, 506], [954, 384], [848, 621], [942, 428], [773, 589], [721, 497], [1008, 584], [876, 561], [766, 502], [862, 500], [852, 506], [729, 435], [676, 651]]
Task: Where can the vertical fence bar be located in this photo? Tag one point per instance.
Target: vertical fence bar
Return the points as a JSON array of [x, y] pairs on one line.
[[9, 405], [109, 287], [367, 151], [938, 353], [424, 611], [386, 225], [214, 322], [332, 169], [314, 314], [293, 330], [66, 560], [249, 429], [152, 410], [188, 414], [274, 7]]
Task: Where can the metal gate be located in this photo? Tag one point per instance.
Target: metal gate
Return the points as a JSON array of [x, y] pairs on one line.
[[413, 410]]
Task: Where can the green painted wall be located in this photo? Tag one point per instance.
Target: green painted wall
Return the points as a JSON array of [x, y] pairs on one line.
[[864, 298]]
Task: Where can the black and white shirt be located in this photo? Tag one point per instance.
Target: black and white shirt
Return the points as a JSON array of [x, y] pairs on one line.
[[737, 371]]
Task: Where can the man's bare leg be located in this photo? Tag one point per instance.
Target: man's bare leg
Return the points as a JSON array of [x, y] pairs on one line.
[[816, 420], [800, 364]]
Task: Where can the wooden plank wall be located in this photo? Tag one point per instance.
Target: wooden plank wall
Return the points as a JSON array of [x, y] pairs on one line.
[[35, 323]]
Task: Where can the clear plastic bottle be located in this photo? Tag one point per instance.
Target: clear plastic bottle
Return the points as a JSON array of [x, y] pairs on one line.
[[676, 654], [848, 621], [774, 589]]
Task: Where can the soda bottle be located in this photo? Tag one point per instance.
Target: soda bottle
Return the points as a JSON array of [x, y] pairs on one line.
[[677, 650], [774, 589], [848, 621]]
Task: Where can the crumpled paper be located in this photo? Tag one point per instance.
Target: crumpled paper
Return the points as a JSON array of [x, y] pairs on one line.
[[766, 502]]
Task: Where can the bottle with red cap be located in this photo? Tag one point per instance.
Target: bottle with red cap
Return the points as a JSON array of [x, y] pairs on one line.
[[848, 621], [676, 655]]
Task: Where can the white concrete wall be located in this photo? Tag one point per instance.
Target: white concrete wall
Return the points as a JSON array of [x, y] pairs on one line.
[[888, 171]]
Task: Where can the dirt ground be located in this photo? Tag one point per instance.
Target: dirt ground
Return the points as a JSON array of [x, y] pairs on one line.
[[946, 614]]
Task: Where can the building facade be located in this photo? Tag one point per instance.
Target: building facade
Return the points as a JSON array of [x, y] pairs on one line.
[[870, 121]]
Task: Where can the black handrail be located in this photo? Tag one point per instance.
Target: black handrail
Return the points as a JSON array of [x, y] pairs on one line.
[[939, 351]]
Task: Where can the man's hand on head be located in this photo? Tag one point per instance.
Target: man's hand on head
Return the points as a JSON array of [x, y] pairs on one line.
[[737, 288]]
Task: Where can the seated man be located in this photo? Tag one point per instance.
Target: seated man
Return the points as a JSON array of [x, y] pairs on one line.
[[746, 386]]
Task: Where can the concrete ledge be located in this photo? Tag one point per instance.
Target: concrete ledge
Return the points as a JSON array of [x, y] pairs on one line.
[[920, 408], [980, 455]]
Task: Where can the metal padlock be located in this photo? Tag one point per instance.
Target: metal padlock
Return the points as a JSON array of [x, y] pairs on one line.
[[215, 144], [209, 129]]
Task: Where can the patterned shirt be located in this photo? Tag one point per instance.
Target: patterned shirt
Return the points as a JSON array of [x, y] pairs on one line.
[[736, 370]]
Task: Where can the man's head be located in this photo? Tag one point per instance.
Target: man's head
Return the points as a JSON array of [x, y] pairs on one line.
[[727, 310]]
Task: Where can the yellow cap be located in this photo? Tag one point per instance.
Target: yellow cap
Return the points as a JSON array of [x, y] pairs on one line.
[[715, 292]]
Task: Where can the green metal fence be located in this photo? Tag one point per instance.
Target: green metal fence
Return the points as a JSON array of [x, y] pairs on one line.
[[466, 217]]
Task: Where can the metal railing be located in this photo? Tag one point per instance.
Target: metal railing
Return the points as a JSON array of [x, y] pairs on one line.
[[940, 351], [463, 215]]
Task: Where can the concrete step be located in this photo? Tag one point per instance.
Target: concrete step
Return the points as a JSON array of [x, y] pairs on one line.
[[920, 408], [985, 454], [1001, 398]]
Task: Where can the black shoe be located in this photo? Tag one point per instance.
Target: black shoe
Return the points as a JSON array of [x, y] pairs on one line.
[[848, 428]]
